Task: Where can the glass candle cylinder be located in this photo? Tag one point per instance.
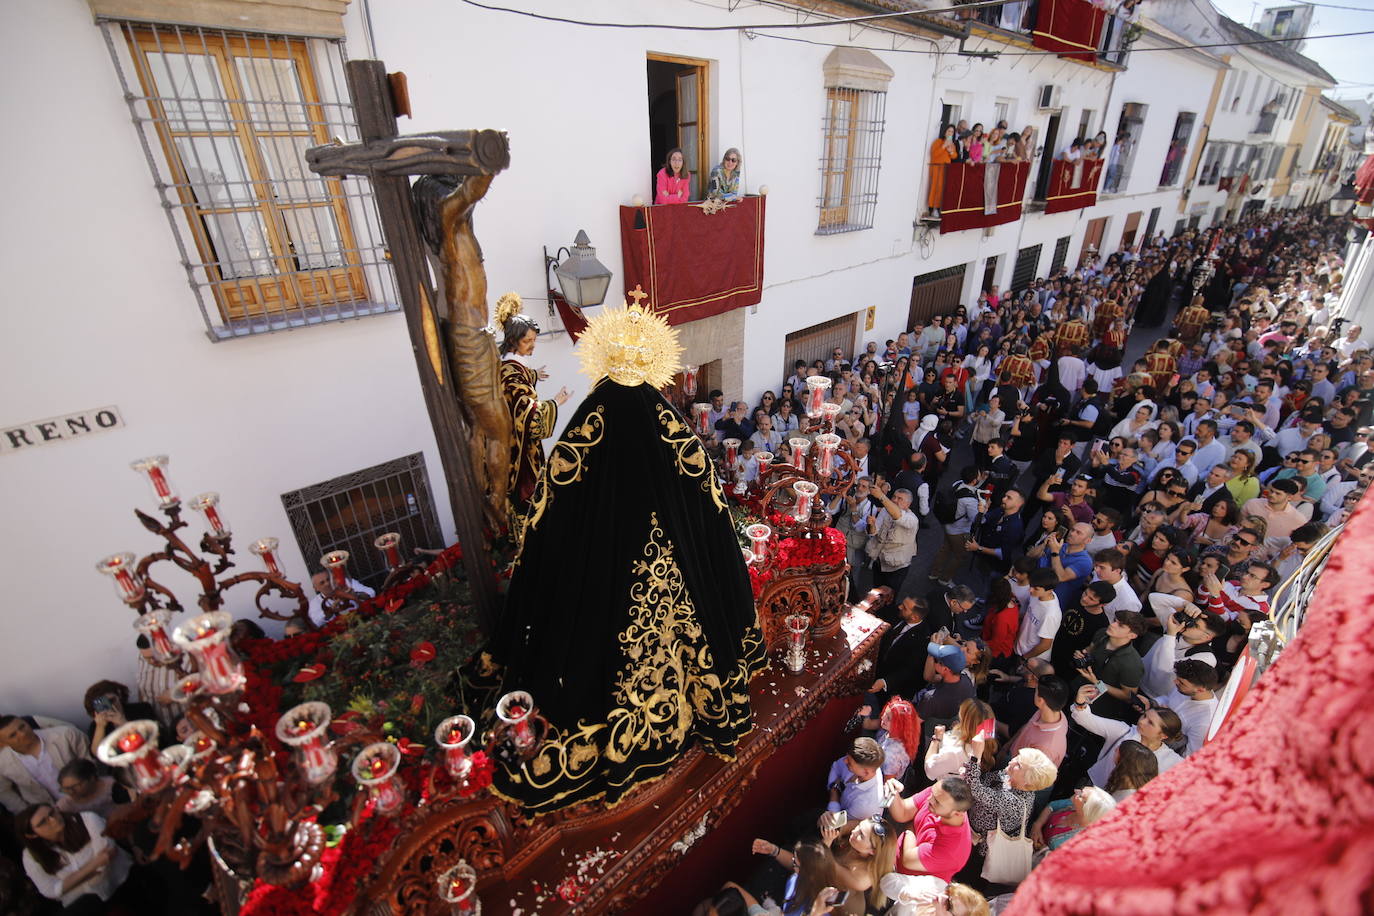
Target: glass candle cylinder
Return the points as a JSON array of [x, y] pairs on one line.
[[207, 504], [335, 563], [765, 460], [375, 769], [154, 468], [701, 414], [453, 735], [748, 556], [797, 627], [390, 546], [799, 446], [826, 445], [816, 387], [758, 535], [304, 728], [154, 626], [458, 886], [829, 412], [806, 492], [201, 745], [689, 380], [134, 745], [731, 447], [267, 549], [186, 688], [120, 568], [515, 709], [206, 637]]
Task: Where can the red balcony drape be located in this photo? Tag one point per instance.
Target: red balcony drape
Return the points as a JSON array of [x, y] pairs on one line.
[[1071, 28], [1064, 193], [963, 198], [693, 265]]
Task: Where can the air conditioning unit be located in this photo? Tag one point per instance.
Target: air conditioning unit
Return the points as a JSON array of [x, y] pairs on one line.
[[1048, 98]]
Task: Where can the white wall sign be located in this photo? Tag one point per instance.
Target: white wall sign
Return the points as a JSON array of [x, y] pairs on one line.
[[59, 429]]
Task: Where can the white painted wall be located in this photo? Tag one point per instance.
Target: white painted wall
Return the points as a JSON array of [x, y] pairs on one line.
[[99, 310]]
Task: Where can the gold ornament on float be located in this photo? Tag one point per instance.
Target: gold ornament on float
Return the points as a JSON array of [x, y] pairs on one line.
[[631, 344]]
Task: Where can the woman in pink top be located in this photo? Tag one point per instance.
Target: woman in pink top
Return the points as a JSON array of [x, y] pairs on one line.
[[674, 183]]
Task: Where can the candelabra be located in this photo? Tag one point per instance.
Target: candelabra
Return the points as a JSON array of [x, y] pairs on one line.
[[253, 802]]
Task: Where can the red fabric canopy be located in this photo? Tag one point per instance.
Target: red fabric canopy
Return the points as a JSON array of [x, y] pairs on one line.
[[1276, 814], [693, 265], [1064, 194], [1072, 28], [1364, 181], [963, 197]]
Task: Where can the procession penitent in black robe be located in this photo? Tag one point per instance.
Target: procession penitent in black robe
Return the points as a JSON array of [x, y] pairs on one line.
[[629, 617], [1154, 301]]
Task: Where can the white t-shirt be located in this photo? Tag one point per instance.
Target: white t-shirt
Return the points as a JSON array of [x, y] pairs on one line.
[[1125, 600], [103, 883], [1041, 622]]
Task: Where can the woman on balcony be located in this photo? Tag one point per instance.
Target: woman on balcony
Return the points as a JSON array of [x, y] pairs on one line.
[[942, 152], [976, 143], [674, 182], [725, 177]]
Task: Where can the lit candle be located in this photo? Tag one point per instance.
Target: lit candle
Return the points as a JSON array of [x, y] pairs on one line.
[[799, 447], [208, 505], [702, 412], [134, 745], [514, 710], [826, 444], [206, 638], [338, 573], [267, 549], [689, 380], [829, 412], [806, 492], [816, 387], [765, 460], [120, 568], [390, 546], [458, 886], [453, 735], [154, 626], [375, 767], [758, 536], [731, 452], [303, 727], [154, 468]]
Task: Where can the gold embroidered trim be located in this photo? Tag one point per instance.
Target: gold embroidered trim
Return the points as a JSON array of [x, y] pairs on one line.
[[691, 458]]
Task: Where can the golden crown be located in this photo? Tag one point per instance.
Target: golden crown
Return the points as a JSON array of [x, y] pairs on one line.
[[631, 344]]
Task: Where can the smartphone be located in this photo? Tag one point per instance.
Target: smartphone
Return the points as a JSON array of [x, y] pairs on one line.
[[838, 897], [101, 704], [988, 729], [1173, 379]]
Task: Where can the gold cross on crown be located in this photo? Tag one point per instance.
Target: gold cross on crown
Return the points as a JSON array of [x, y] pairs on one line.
[[637, 294]]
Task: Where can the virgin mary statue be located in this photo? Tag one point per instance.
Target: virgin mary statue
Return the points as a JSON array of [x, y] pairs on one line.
[[629, 617]]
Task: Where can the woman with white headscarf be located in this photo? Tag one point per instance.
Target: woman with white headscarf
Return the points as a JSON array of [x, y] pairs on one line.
[[1141, 418], [926, 440]]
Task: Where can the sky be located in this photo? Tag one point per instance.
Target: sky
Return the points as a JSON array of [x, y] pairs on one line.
[[1347, 59]]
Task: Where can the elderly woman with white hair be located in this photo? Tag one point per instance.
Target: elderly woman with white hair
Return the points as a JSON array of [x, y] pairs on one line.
[[1063, 818], [1004, 799]]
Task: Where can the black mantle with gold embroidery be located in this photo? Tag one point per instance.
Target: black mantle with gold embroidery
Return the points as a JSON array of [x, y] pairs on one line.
[[629, 616]]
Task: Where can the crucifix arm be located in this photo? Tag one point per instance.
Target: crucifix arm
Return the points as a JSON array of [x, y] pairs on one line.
[[453, 152]]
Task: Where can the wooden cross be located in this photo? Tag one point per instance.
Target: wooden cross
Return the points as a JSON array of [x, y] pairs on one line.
[[389, 160]]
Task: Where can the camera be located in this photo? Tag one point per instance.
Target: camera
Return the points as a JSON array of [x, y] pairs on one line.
[[1181, 616], [102, 704], [1084, 662]]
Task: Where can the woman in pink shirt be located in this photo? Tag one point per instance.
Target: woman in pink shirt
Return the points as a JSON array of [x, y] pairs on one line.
[[674, 182]]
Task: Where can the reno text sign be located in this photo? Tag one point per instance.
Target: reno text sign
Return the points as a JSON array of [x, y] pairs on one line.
[[59, 429]]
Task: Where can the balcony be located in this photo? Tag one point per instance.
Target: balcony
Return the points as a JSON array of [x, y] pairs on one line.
[[964, 202], [1073, 185], [693, 261], [1265, 125], [1074, 29]]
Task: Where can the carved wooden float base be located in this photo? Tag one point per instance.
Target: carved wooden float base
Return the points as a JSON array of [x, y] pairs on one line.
[[627, 848]]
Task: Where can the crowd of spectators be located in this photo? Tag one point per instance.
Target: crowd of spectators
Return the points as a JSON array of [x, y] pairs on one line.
[[1102, 533]]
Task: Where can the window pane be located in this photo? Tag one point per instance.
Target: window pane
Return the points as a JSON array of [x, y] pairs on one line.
[[687, 97], [190, 90], [274, 93], [216, 171], [240, 243], [285, 161], [314, 237]]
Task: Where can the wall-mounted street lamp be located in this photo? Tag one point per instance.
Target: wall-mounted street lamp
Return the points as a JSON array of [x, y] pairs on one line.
[[582, 279]]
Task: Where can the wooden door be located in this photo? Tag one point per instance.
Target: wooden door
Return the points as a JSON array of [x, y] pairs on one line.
[[689, 127], [935, 293], [1097, 228]]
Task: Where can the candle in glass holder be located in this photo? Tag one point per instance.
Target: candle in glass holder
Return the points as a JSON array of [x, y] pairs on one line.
[[748, 556], [375, 769], [127, 582], [689, 380], [207, 504], [453, 735], [798, 625], [731, 452], [154, 626], [304, 728], [816, 387], [134, 745], [758, 535], [826, 444], [806, 492], [335, 563], [390, 546], [829, 412], [206, 637], [458, 886], [514, 709], [154, 468], [701, 412], [266, 548], [765, 460], [799, 446]]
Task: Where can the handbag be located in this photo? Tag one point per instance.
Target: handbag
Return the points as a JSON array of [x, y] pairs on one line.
[[1009, 858]]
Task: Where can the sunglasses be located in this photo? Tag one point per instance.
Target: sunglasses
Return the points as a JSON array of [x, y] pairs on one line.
[[879, 829], [731, 159], [1244, 543]]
